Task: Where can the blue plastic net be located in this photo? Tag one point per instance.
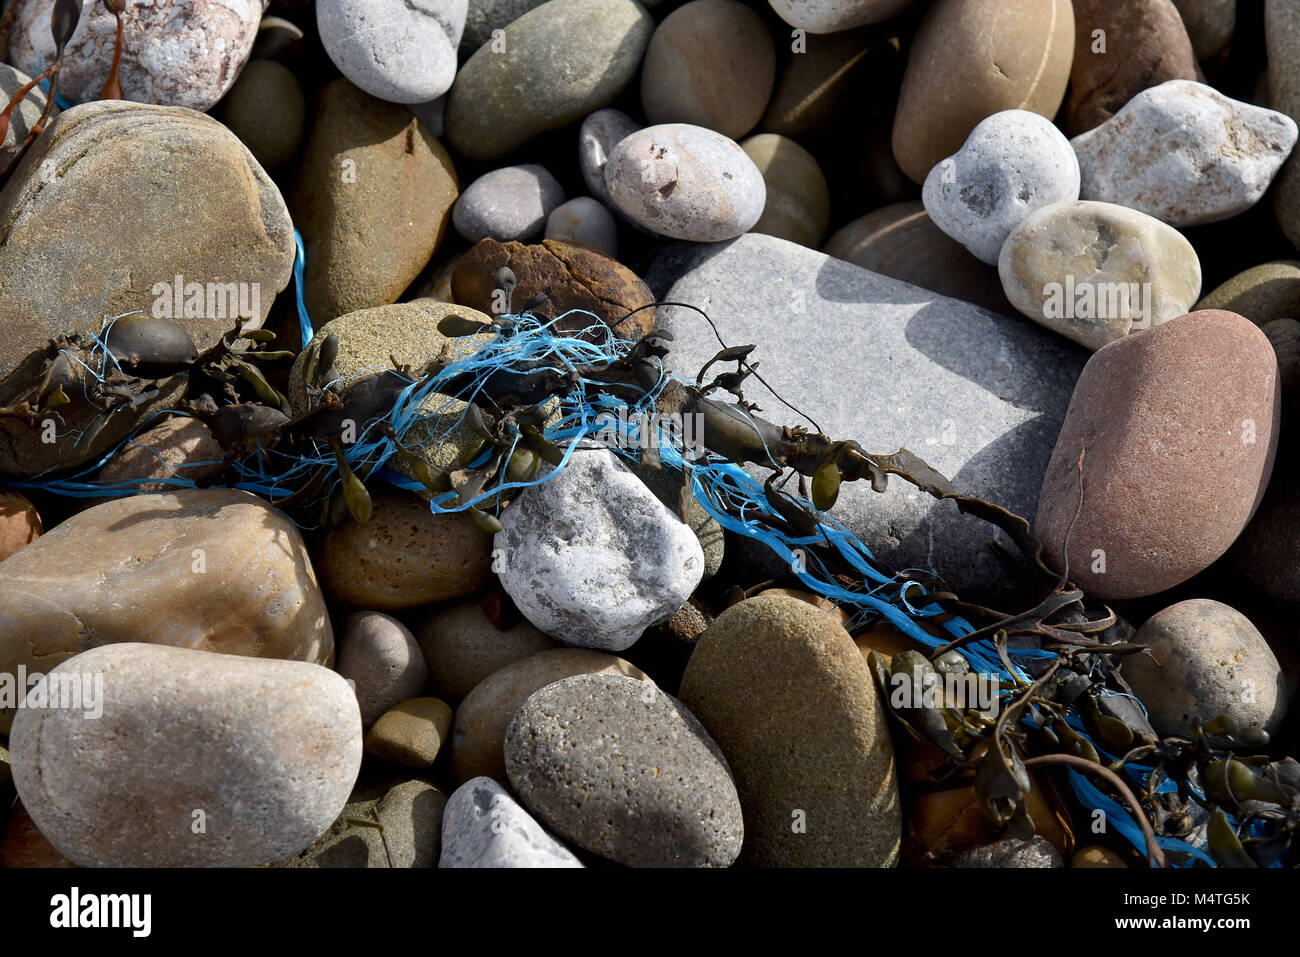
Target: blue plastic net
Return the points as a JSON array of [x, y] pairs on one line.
[[423, 418]]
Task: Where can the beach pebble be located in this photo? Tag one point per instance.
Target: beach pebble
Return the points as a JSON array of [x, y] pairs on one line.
[[586, 221], [20, 525], [410, 733], [263, 753], [267, 110], [511, 203], [461, 646], [277, 39], [501, 100], [571, 275], [592, 558], [902, 242], [479, 728], [814, 84], [1095, 855], [832, 16], [686, 182], [1184, 153], [1011, 852], [483, 826], [373, 198], [599, 134], [1209, 24], [1012, 163], [1095, 272], [711, 63], [178, 448], [1121, 48], [403, 52], [1209, 660], [615, 766], [774, 670], [1282, 36], [378, 654], [1261, 293], [1148, 413], [162, 569], [174, 52], [404, 557], [798, 206], [971, 59], [410, 814], [485, 17]]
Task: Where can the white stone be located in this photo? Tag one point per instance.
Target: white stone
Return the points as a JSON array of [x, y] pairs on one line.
[[483, 826], [174, 52], [592, 558], [511, 203], [587, 221], [832, 16], [403, 51], [1184, 153], [1013, 163], [193, 759], [686, 182]]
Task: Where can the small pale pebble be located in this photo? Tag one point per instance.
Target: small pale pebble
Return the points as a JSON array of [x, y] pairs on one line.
[[379, 654], [599, 134], [1012, 163], [584, 220], [686, 182], [483, 826], [511, 203]]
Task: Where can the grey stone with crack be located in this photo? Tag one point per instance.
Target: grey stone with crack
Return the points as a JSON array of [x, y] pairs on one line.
[[980, 396]]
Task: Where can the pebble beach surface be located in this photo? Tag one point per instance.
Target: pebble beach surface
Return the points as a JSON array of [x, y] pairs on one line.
[[1050, 247]]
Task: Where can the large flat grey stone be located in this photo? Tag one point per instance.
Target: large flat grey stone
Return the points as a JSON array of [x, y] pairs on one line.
[[980, 396]]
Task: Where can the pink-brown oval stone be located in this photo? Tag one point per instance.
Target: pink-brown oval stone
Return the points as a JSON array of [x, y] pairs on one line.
[[1178, 427]]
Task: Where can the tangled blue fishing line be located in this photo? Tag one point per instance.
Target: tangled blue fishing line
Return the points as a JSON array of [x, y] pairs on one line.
[[423, 420]]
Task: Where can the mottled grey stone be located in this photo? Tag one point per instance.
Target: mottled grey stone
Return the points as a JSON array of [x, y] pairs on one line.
[[1011, 852], [666, 483], [511, 203], [592, 558], [484, 16], [979, 396], [484, 826], [621, 769], [403, 51]]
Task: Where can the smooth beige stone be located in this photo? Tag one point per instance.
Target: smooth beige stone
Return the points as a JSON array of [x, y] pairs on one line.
[[211, 569], [798, 200], [268, 751], [412, 733], [1104, 248], [971, 59]]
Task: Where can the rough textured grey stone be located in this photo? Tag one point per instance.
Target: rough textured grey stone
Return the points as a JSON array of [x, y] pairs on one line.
[[1012, 163], [979, 396], [501, 100], [1209, 660], [483, 826], [1011, 852], [411, 816], [268, 751], [379, 655], [592, 558], [174, 52], [27, 113], [507, 204], [621, 769], [832, 16], [666, 483], [1184, 153], [403, 51], [686, 182]]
